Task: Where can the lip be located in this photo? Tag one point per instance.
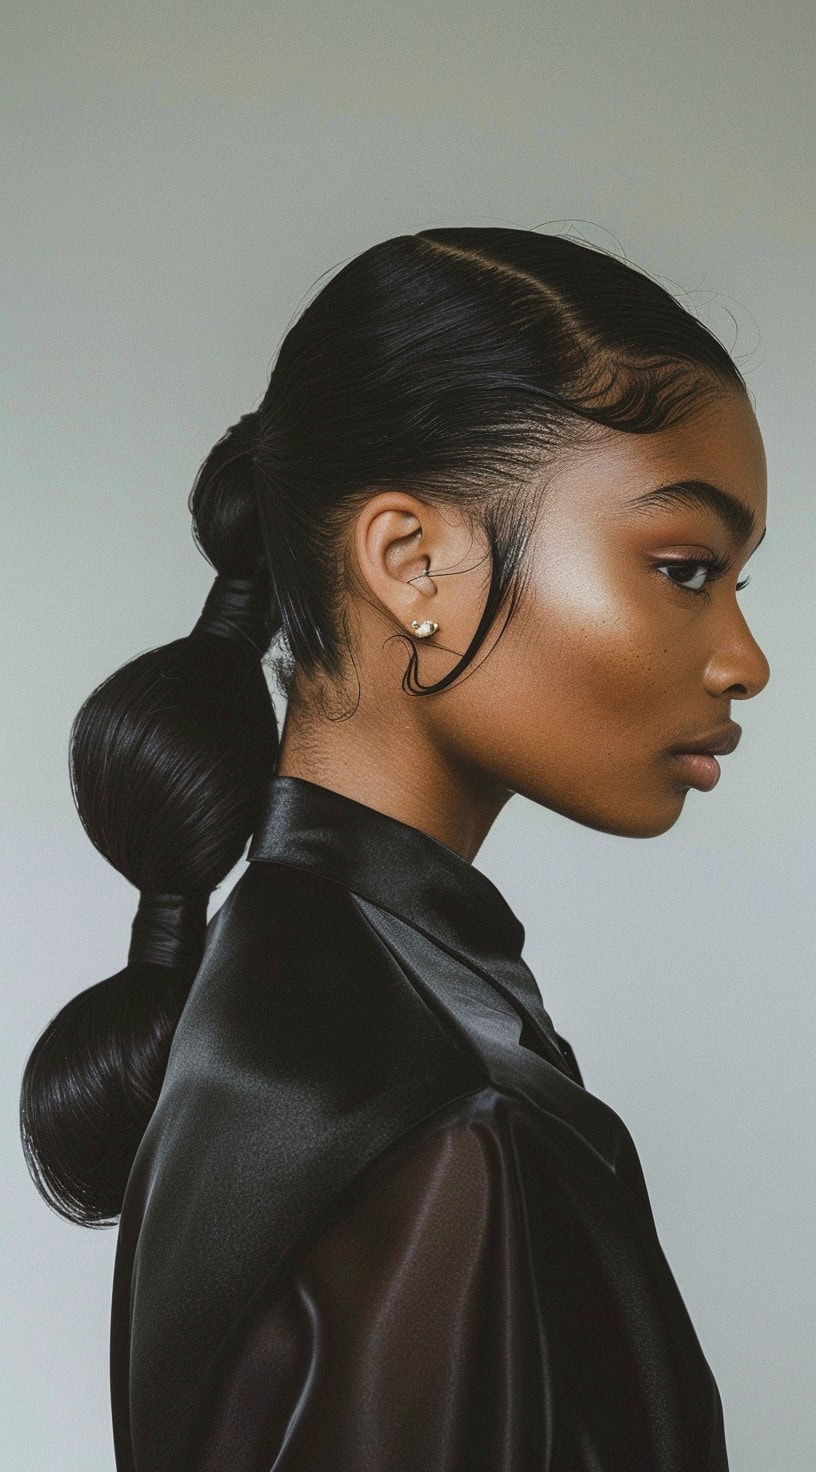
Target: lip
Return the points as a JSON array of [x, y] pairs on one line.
[[718, 743], [698, 768]]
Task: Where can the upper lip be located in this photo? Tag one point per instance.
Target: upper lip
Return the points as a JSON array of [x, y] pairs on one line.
[[719, 743]]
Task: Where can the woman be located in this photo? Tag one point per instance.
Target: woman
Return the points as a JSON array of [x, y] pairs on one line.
[[369, 1214]]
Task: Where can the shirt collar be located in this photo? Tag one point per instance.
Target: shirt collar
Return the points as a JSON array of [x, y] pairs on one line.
[[405, 871]]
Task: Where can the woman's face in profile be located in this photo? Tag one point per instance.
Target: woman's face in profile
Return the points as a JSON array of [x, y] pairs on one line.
[[625, 643]]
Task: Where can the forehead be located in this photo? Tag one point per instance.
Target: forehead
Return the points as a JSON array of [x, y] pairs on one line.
[[721, 445]]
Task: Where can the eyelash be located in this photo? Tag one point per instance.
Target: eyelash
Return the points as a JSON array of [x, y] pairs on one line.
[[716, 567]]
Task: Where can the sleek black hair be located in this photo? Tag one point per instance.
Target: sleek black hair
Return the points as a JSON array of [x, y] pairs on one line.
[[450, 362]]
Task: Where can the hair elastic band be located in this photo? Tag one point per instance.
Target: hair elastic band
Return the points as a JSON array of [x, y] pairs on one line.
[[168, 929], [238, 609]]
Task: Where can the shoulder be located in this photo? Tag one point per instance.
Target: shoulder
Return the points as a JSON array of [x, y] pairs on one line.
[[301, 1055], [295, 984], [305, 1023]]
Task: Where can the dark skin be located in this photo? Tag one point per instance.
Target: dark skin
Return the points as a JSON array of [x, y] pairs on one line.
[[609, 660]]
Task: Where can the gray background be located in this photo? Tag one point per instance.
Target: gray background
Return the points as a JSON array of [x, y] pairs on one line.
[[178, 178]]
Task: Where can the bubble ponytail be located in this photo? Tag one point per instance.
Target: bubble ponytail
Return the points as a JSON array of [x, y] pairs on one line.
[[169, 761]]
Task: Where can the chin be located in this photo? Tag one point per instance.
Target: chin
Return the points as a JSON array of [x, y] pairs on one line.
[[651, 824], [654, 828], [632, 822], [629, 814]]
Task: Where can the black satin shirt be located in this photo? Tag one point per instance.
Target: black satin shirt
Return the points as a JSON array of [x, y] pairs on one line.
[[377, 1221]]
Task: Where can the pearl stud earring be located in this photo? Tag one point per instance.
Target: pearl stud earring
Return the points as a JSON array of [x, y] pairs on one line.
[[422, 630]]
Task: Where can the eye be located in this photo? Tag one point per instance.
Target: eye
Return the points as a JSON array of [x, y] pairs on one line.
[[713, 568]]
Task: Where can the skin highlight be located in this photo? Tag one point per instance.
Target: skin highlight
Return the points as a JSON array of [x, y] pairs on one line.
[[608, 661]]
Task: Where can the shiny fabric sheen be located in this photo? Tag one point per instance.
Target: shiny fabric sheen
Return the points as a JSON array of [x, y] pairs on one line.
[[377, 1220]]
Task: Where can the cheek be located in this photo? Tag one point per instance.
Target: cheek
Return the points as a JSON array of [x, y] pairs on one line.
[[572, 701], [595, 642], [582, 675]]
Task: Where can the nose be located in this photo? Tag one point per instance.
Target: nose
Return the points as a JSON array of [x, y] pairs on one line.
[[745, 671]]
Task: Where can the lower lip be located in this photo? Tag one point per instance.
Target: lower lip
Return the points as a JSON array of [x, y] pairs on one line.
[[699, 770]]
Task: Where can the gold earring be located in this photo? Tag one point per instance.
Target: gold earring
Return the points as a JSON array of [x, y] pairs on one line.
[[425, 628]]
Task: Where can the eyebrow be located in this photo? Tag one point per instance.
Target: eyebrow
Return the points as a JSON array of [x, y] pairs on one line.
[[737, 518]]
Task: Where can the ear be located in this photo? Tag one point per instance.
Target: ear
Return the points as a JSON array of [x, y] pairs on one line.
[[398, 543]]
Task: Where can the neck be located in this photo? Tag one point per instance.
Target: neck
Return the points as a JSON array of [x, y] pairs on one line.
[[400, 773]]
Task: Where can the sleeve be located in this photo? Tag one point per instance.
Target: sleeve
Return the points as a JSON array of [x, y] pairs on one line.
[[454, 1316]]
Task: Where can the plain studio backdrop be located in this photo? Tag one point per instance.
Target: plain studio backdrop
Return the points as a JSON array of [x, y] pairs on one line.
[[179, 180]]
